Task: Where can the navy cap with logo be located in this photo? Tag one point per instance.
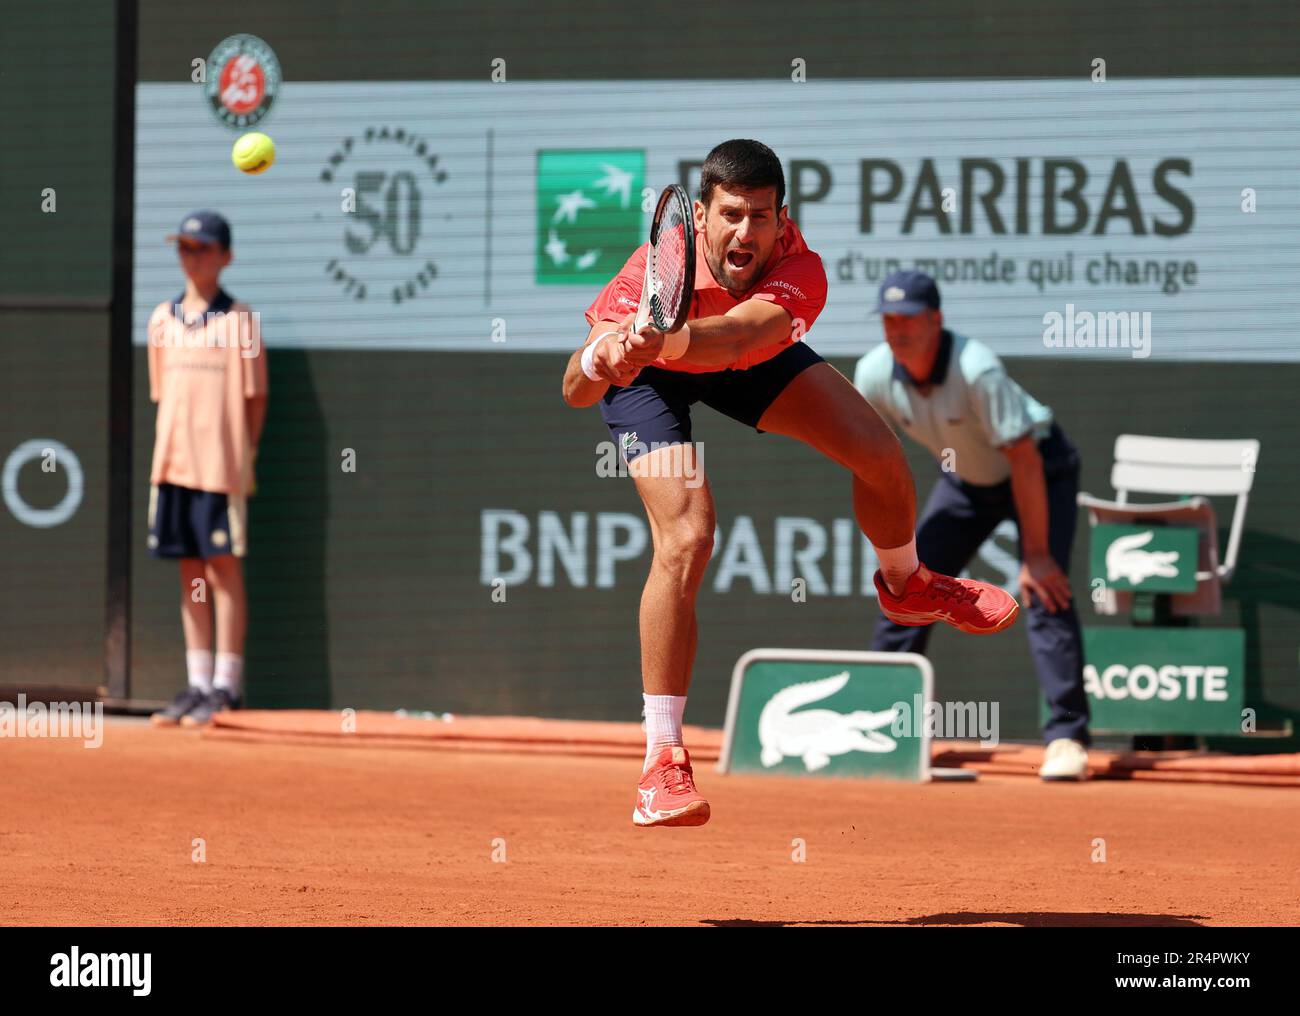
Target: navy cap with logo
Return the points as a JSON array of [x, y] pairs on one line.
[[206, 227], [908, 292]]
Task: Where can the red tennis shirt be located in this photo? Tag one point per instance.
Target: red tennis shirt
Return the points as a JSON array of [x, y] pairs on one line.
[[795, 280]]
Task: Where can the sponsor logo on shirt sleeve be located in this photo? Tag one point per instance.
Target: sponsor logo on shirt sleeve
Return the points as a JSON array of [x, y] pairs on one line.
[[789, 287]]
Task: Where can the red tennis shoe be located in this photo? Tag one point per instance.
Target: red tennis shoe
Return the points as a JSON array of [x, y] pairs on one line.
[[978, 608], [667, 794]]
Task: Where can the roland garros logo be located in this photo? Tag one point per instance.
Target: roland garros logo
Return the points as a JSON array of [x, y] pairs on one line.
[[385, 176], [242, 79]]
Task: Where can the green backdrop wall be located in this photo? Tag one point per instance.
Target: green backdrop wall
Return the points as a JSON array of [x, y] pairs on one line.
[[367, 587]]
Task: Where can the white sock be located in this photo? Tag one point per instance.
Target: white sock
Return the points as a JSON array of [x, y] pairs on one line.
[[198, 668], [229, 670], [663, 724], [897, 565]]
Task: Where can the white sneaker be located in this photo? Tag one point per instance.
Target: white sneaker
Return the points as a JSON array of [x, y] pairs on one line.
[[1064, 760]]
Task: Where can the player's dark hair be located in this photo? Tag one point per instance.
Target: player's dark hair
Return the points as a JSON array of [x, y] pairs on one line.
[[742, 163]]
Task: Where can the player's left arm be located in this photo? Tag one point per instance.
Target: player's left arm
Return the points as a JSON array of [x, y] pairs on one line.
[[782, 309], [723, 338]]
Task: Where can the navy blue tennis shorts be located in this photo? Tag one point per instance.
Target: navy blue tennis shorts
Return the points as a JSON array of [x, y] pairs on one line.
[[196, 523], [655, 409]]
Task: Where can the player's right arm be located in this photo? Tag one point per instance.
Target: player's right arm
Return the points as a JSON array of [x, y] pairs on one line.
[[613, 310], [608, 361]]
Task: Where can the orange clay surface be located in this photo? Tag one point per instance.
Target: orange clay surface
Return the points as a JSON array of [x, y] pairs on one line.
[[304, 834]]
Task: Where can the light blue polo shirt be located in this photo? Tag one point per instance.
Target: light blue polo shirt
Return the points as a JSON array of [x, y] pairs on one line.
[[972, 408]]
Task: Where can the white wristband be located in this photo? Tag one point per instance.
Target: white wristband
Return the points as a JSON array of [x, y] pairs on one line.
[[589, 357], [676, 343]]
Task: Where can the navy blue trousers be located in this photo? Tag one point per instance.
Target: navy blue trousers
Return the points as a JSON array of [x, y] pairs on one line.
[[956, 520]]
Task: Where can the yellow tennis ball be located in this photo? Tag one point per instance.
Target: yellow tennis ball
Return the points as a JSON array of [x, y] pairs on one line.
[[253, 153]]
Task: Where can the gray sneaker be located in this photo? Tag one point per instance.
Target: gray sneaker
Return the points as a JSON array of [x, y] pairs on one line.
[[217, 702], [185, 702]]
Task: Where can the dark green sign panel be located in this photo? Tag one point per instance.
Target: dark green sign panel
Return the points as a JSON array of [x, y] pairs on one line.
[[828, 713], [1165, 680], [588, 213], [1157, 559]]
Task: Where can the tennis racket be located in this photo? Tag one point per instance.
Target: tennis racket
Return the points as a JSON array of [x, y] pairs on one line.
[[670, 265]]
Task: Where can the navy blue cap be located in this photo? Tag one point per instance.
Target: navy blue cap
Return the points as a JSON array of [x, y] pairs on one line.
[[908, 292], [206, 227]]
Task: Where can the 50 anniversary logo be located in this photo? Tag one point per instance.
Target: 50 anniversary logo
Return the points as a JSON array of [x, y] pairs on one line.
[[387, 172]]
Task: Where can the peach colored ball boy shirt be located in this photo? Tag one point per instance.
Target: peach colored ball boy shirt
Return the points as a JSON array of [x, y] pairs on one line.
[[201, 374]]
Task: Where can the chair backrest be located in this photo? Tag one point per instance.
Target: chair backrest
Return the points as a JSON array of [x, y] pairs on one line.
[[1173, 465], [1189, 466]]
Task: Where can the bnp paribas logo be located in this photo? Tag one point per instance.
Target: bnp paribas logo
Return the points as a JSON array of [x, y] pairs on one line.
[[589, 215]]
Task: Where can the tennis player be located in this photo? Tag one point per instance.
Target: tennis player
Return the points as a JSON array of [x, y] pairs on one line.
[[758, 289]]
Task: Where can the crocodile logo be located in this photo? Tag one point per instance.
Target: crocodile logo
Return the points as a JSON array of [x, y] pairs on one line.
[[1126, 560], [816, 735]]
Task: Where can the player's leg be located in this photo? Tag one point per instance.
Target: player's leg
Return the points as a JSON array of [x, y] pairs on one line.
[[679, 505], [226, 576], [219, 521], [170, 537], [196, 624], [682, 521], [821, 407], [196, 606], [798, 394], [952, 527], [650, 424]]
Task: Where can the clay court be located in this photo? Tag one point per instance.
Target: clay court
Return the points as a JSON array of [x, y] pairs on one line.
[[317, 834]]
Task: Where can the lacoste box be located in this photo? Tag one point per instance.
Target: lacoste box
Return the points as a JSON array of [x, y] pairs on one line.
[[829, 713], [1165, 680]]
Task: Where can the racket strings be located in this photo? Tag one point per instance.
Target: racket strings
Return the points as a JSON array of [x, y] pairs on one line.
[[669, 281]]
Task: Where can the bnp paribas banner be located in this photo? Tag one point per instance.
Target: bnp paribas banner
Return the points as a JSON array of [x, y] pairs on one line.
[[1137, 219]]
